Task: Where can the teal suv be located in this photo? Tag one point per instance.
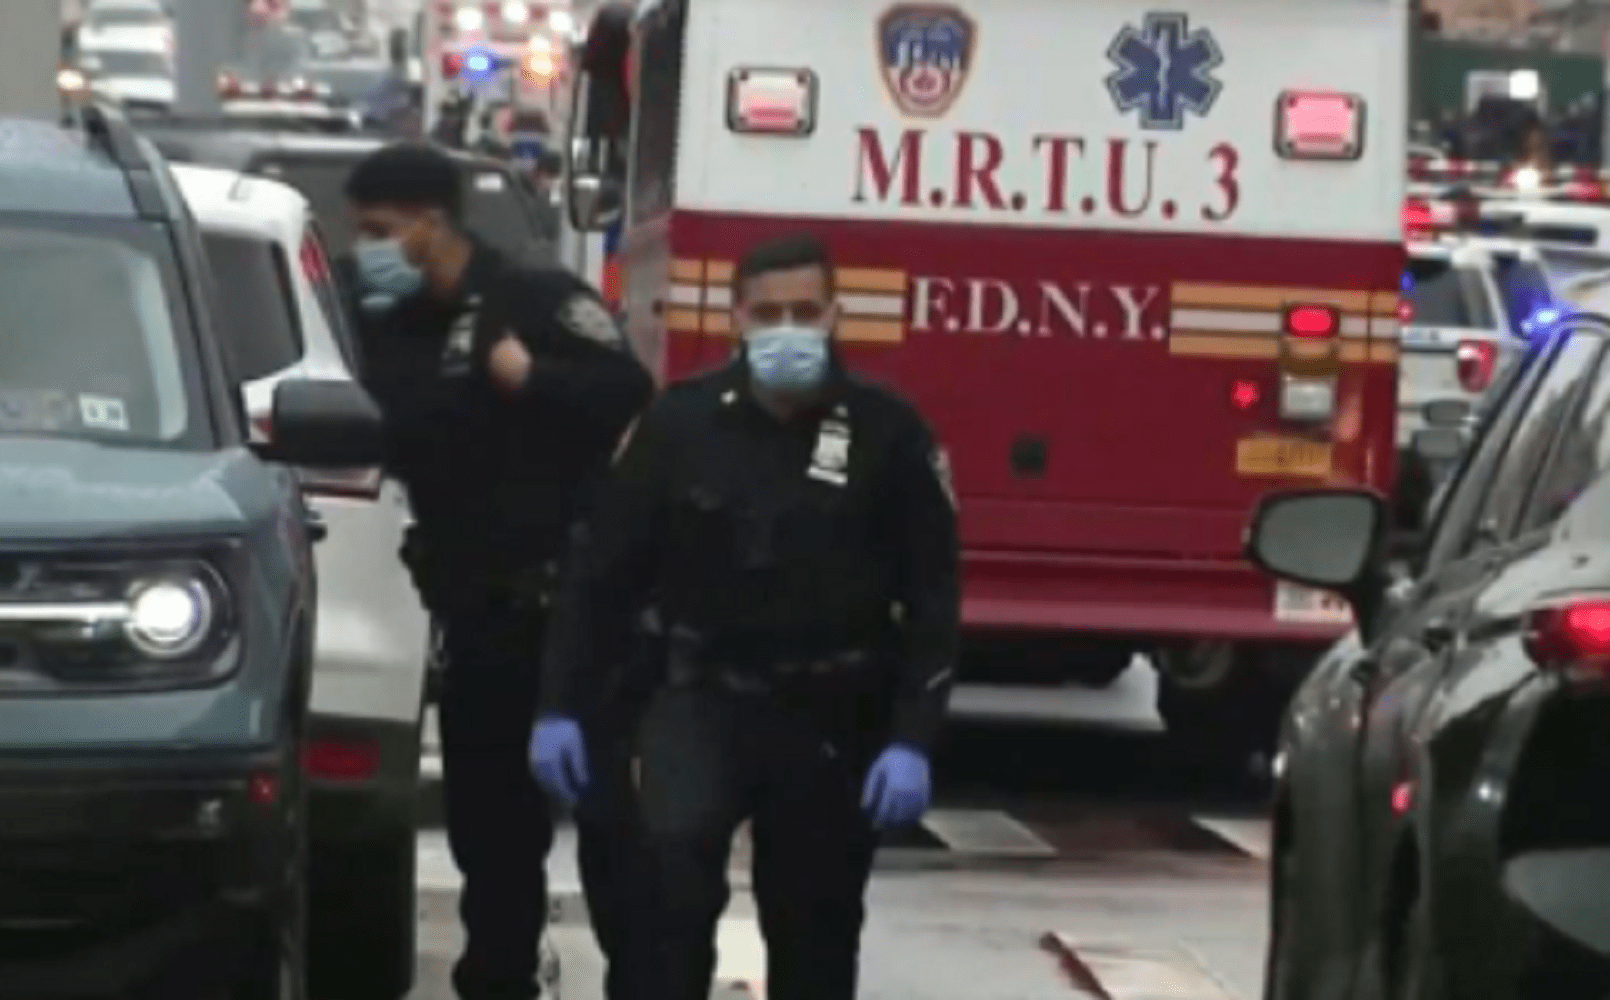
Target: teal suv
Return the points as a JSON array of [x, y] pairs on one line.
[[156, 595]]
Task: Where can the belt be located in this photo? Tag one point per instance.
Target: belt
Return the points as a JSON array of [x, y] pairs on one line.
[[765, 678]]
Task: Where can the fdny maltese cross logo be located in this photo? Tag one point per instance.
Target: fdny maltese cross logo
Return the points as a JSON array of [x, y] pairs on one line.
[[1164, 70], [926, 51]]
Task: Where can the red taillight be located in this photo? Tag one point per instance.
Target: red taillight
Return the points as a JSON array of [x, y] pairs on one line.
[[1405, 311], [336, 760], [1312, 322], [452, 65], [1244, 395], [1417, 217], [314, 266], [1476, 359], [1572, 637]]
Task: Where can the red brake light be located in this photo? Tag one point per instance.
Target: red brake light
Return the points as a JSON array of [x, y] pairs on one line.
[[1244, 395], [452, 63], [1312, 322], [314, 266], [1405, 311], [1572, 637], [1417, 217], [1477, 360], [333, 760]]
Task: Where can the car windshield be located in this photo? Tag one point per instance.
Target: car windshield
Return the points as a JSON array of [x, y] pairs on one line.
[[493, 209], [1568, 263], [96, 342], [132, 62], [1441, 294]]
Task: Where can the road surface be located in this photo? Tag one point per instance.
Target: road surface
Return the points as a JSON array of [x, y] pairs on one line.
[[1069, 856]]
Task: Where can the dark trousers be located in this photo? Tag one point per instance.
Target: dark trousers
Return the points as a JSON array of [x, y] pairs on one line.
[[609, 853], [711, 759], [499, 826]]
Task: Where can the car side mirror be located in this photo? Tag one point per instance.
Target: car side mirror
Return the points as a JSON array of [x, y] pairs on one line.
[[1439, 444], [1447, 412], [1332, 539], [594, 202], [324, 423]]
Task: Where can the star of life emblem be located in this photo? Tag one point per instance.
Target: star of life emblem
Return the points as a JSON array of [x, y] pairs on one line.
[[926, 54], [1164, 70]]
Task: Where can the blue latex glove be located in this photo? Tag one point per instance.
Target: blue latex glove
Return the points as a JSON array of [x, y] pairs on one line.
[[559, 757], [899, 786]]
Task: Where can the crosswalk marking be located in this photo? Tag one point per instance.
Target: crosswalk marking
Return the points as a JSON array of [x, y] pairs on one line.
[[1249, 836], [985, 832], [1117, 971]]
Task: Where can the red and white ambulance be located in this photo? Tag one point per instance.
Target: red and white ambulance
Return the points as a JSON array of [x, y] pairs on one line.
[[1137, 265]]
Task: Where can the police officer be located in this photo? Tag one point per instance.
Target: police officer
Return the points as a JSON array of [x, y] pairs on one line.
[[796, 529], [505, 391]]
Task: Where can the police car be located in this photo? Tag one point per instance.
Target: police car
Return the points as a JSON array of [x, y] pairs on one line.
[[271, 271]]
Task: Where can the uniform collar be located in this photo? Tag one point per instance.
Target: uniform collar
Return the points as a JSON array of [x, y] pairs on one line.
[[737, 394]]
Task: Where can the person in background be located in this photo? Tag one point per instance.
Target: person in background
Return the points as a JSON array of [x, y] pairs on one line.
[[505, 390]]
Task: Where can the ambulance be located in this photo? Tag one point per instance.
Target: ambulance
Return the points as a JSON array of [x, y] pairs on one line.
[[1137, 266]]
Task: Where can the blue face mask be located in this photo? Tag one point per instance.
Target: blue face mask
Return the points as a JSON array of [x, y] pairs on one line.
[[787, 358], [384, 269]]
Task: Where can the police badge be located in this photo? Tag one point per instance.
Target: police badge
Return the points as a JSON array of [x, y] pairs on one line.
[[926, 53]]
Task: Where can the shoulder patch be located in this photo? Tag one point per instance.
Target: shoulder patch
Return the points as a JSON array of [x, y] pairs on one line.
[[586, 317], [947, 483]]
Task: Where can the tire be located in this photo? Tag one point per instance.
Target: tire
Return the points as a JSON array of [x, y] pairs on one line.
[[1100, 668], [364, 918], [1220, 716]]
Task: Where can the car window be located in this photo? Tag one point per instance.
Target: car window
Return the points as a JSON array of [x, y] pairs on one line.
[[1568, 263], [252, 282], [1552, 232], [1545, 413], [316, 268], [323, 183], [1453, 517], [1581, 454], [94, 345], [1441, 294], [1523, 286]]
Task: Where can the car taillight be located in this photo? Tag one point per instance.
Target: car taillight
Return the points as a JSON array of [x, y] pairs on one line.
[[1312, 322], [1571, 637], [1417, 218], [1245, 394], [1405, 311], [1477, 360]]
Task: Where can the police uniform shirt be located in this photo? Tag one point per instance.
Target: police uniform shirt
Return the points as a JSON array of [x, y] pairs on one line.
[[492, 473], [775, 540]]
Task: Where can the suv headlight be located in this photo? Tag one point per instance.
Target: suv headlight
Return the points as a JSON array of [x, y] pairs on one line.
[[170, 618]]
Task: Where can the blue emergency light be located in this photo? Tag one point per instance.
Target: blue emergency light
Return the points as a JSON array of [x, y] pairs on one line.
[[480, 64]]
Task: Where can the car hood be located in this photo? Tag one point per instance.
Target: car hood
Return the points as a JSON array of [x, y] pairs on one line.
[[79, 490]]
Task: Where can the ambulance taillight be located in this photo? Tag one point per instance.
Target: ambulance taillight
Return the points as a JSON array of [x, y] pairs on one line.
[[1319, 125], [1477, 362], [1309, 397]]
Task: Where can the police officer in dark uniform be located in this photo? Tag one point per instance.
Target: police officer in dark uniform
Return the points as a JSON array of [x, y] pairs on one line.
[[796, 529], [505, 391]]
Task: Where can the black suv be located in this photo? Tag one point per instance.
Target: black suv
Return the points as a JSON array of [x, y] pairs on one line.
[[156, 595], [500, 206], [1441, 822]]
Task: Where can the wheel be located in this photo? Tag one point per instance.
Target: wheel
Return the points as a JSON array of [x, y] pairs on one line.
[[1099, 668], [1220, 707], [363, 918]]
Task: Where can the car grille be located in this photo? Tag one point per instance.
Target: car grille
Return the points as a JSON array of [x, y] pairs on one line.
[[1556, 796]]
